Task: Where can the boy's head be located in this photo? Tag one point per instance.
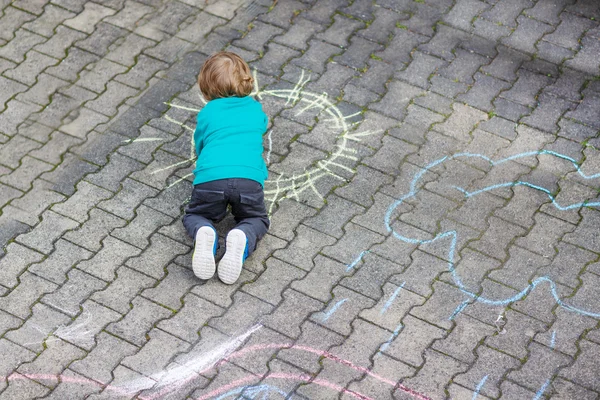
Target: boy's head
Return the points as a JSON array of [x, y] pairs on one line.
[[225, 74]]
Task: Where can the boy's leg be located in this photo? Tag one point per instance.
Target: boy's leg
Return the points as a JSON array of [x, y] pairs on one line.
[[250, 212], [248, 208], [207, 204]]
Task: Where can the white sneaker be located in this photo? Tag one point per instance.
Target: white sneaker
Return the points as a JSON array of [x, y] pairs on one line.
[[230, 266], [203, 259]]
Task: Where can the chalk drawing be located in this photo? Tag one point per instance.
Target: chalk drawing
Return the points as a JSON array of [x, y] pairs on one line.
[[333, 309], [252, 392], [453, 235], [553, 340], [479, 387], [459, 309], [391, 339], [292, 185], [72, 333], [170, 380], [540, 392], [238, 386], [142, 140], [357, 260], [500, 323], [242, 382], [391, 299]]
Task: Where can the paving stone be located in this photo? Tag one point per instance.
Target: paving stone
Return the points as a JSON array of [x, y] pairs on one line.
[[313, 336], [158, 171], [78, 206], [9, 89], [580, 372], [386, 368], [129, 15], [142, 226], [63, 258], [155, 258], [528, 32], [312, 59], [463, 13], [127, 52], [71, 66], [188, 321], [91, 234], [292, 212], [335, 76], [485, 89], [101, 39], [546, 115], [20, 300], [586, 111], [277, 276], [564, 389], [119, 293], [583, 235], [52, 361], [52, 227], [139, 320], [392, 307], [16, 260], [245, 311], [540, 365], [12, 19], [23, 389], [546, 231], [48, 22], [28, 70], [487, 357], [74, 384], [502, 234], [420, 69], [172, 288], [569, 31], [13, 151], [401, 47], [87, 20], [432, 380], [113, 253], [124, 377], [23, 41], [156, 353], [299, 33], [553, 53], [116, 170], [107, 354], [339, 374], [109, 101], [78, 287], [526, 89], [295, 306], [43, 90], [409, 346], [35, 329]]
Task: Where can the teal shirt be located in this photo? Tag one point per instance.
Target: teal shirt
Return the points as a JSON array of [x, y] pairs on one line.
[[229, 140]]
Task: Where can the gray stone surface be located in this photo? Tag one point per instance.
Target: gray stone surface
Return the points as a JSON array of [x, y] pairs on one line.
[[433, 197]]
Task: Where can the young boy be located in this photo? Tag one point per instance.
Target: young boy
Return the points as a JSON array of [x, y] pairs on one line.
[[230, 169]]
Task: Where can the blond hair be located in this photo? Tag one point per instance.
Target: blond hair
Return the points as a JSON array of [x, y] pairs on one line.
[[225, 74]]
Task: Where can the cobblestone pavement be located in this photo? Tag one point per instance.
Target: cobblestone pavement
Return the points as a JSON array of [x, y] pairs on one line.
[[434, 193]]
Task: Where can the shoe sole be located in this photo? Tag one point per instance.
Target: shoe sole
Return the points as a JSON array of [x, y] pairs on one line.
[[230, 266], [203, 260]]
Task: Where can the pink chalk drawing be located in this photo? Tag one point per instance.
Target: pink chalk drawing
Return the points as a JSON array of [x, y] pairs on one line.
[[239, 384]]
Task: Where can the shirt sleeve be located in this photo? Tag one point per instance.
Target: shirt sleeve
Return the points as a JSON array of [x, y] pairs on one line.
[[199, 133]]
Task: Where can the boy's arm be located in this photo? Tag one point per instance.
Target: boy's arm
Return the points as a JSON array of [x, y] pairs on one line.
[[198, 136]]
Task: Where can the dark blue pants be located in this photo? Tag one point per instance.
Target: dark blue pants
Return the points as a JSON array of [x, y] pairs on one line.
[[209, 204]]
